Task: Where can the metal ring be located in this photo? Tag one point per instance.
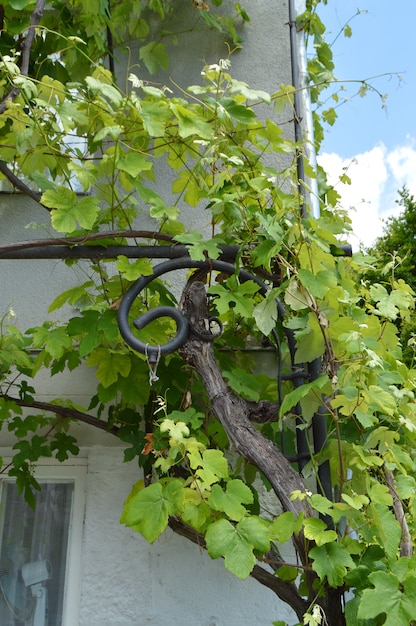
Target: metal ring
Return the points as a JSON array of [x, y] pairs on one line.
[[208, 336]]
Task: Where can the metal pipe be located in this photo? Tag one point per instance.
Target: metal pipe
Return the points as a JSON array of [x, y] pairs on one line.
[[297, 101], [303, 123], [308, 129], [298, 60]]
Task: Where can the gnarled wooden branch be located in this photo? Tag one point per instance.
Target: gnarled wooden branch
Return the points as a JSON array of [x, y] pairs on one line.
[[233, 412]]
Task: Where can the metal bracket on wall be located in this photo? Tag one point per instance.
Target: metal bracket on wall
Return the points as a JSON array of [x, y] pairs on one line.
[[297, 375]]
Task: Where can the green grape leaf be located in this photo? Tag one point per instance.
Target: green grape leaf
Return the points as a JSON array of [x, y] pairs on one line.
[[237, 296], [237, 543], [388, 528], [68, 212], [109, 365], [284, 526], [177, 431], [241, 113], [64, 445], [316, 529], [199, 248], [232, 499], [389, 596], [266, 314], [133, 163], [148, 510], [54, 340], [73, 296], [210, 466], [154, 56], [190, 123], [317, 284], [132, 270], [293, 397], [331, 560], [104, 89], [310, 342], [155, 115]]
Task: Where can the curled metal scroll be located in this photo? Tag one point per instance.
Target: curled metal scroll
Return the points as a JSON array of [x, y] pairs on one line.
[[153, 353], [182, 325]]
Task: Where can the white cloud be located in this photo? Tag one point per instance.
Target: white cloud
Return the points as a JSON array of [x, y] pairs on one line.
[[376, 176]]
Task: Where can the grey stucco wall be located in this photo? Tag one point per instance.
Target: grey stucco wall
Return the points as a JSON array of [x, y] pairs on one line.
[[171, 583], [124, 580]]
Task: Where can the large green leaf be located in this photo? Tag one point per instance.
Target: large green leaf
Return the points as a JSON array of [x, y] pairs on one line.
[[293, 397], [284, 526], [68, 212], [104, 89], [110, 365], [266, 314], [133, 163], [55, 341], [391, 597], [237, 296], [316, 529], [237, 543], [232, 499], [210, 466], [331, 561], [148, 510], [154, 56], [155, 116], [310, 342], [132, 270], [190, 123], [318, 284]]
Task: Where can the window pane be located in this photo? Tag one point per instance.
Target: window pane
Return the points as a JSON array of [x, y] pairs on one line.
[[33, 555]]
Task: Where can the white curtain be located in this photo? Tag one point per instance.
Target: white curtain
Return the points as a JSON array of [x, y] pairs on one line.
[[37, 541]]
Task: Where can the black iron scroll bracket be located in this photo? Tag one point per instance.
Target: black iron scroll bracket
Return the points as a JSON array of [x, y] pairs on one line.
[[153, 353]]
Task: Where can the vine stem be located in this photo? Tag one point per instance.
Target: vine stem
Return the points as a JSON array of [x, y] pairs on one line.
[[26, 48], [406, 548], [64, 412]]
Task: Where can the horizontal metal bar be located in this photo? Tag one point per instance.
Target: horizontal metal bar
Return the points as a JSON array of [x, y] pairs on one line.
[[229, 253], [96, 252], [108, 252]]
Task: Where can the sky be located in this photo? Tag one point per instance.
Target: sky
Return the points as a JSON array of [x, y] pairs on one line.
[[375, 145]]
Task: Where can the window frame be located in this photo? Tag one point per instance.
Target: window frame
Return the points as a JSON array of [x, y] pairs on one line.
[[74, 470]]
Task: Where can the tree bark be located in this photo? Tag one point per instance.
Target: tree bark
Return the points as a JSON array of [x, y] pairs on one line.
[[233, 412]]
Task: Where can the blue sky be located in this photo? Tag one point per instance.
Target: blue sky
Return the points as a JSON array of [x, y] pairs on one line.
[[376, 145]]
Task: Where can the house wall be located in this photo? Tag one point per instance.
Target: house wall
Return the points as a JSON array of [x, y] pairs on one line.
[[172, 582], [123, 579]]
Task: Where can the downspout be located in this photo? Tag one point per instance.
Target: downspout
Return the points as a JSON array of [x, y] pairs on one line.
[[303, 121], [308, 189]]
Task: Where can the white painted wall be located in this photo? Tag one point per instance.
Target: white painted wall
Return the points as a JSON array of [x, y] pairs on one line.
[[124, 580]]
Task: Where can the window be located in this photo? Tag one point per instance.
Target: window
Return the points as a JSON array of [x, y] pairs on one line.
[[40, 550]]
